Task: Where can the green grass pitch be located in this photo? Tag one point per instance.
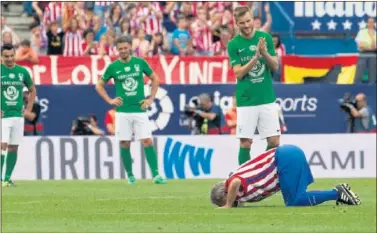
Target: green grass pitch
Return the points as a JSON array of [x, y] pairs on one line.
[[180, 206]]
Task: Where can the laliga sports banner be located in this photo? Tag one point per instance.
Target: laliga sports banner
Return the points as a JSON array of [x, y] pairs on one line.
[[60, 70], [306, 108], [303, 69], [186, 157], [323, 16]]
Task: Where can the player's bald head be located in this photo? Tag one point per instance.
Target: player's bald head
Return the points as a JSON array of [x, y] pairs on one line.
[[218, 194]]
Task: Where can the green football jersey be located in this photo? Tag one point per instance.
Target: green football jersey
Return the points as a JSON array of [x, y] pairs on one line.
[[12, 82], [256, 87], [129, 82]]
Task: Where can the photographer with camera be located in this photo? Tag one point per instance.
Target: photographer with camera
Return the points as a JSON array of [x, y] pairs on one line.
[[33, 125], [209, 118], [360, 115], [86, 126]]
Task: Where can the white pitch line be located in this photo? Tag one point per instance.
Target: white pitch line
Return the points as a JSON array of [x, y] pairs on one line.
[[25, 202]]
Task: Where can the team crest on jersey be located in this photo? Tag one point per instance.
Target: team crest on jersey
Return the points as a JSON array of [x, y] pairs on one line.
[[130, 84], [257, 70], [21, 77], [253, 48], [127, 69], [11, 93], [137, 68], [12, 76]]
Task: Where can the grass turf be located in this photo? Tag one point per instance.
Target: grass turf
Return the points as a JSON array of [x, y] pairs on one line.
[[180, 206]]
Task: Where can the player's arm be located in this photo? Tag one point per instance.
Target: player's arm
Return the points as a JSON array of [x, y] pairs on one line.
[[155, 83], [267, 50], [32, 91], [235, 61], [234, 186], [100, 88]]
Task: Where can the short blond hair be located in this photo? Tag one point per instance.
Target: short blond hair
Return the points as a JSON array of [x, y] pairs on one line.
[[240, 11]]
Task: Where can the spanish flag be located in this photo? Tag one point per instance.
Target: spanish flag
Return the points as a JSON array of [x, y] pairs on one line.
[[335, 69]]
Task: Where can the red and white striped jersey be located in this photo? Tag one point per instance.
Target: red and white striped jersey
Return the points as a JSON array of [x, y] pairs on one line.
[[73, 44], [151, 24], [53, 12], [103, 3], [201, 35], [259, 178], [280, 51], [219, 49], [113, 52]]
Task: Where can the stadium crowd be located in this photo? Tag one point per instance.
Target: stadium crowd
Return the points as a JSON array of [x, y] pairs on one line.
[[90, 28]]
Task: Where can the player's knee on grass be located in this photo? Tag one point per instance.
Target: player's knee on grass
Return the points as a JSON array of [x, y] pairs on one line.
[[4, 146], [147, 142], [12, 148], [246, 142], [125, 144]]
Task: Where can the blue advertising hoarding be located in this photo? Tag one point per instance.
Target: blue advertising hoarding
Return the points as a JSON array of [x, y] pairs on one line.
[[307, 108], [322, 16]]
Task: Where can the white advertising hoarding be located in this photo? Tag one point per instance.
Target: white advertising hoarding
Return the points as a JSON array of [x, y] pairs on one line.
[[186, 157]]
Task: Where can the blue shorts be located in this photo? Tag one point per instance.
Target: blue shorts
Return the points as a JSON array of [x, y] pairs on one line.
[[293, 172]]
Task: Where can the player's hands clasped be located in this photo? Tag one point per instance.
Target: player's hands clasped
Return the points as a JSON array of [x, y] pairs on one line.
[[146, 103], [262, 46], [118, 101]]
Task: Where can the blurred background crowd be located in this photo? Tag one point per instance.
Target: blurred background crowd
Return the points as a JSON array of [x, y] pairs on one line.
[[90, 28]]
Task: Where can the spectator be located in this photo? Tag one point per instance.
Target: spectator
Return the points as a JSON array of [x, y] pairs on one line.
[[6, 38], [150, 16], [114, 19], [182, 43], [101, 7], [53, 12], [202, 33], [89, 47], [159, 45], [280, 52], [258, 21], [54, 40], [140, 45], [110, 121], [103, 47], [110, 35], [15, 40], [98, 27], [28, 9], [73, 40], [26, 53], [33, 125], [231, 117], [35, 38], [220, 48], [366, 43], [170, 15], [126, 29]]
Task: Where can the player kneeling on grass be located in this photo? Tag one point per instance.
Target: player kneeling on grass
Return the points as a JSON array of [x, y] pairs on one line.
[[283, 168]]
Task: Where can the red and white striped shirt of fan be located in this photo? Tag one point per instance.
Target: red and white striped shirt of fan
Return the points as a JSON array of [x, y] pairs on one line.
[[259, 178], [201, 35], [219, 49], [103, 3], [151, 24], [52, 12], [73, 44]]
